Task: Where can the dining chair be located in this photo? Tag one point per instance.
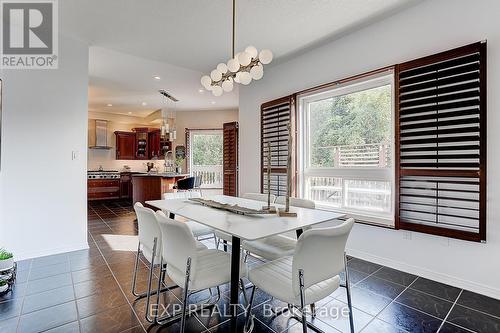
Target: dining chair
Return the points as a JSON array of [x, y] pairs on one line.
[[199, 230], [278, 246], [185, 184], [193, 268], [311, 274]]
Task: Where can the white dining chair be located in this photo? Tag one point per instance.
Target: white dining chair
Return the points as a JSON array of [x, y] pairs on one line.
[[186, 265], [199, 230], [278, 246], [311, 274]]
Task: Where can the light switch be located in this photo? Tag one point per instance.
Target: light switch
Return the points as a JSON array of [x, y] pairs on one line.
[[74, 155]]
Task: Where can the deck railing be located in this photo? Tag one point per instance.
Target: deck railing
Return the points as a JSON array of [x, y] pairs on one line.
[[366, 155], [211, 175]]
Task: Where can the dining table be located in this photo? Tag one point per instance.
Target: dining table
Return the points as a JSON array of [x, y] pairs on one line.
[[243, 227]]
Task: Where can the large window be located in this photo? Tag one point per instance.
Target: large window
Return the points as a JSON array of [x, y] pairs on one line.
[[206, 156], [346, 148]]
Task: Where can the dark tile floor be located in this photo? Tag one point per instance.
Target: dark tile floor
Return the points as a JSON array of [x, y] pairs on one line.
[[89, 291]]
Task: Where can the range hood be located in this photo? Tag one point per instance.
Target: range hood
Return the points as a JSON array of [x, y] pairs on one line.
[[101, 135]]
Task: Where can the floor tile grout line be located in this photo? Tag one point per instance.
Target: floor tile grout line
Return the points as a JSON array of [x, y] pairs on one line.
[[119, 285], [76, 305], [24, 297], [448, 314]]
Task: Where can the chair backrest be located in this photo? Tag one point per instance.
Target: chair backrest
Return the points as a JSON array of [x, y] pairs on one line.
[[297, 202], [178, 243], [320, 254], [148, 228], [186, 183], [181, 195], [258, 196]]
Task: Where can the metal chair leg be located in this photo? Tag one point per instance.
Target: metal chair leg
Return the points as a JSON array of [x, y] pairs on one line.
[[216, 242], [249, 321], [163, 270], [185, 296], [348, 290], [313, 310], [134, 279], [150, 279], [302, 301]]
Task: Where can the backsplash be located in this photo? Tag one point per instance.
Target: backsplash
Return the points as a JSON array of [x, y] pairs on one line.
[[106, 159]]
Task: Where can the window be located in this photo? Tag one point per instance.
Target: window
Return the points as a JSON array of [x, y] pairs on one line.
[[205, 160], [346, 148]]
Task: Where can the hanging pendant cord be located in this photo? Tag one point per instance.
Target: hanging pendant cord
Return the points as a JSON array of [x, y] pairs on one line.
[[234, 25]]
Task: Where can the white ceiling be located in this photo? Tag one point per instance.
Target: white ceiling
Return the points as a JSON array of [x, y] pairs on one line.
[[195, 36]]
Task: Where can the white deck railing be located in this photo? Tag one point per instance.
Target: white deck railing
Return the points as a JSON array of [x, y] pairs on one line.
[[211, 175]]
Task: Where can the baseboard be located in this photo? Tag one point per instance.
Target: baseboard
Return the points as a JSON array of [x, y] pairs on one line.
[[428, 274], [47, 252]]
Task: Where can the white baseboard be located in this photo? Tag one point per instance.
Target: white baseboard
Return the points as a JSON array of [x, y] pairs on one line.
[[428, 274], [47, 252]]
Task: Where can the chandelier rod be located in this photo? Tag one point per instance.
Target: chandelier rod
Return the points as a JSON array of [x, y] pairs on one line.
[[234, 25]]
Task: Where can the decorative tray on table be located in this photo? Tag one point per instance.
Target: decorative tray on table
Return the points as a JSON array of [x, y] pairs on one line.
[[230, 208]]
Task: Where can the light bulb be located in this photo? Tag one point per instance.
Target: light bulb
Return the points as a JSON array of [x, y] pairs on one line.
[[217, 91], [237, 77], [233, 65], [245, 78], [222, 68], [216, 75], [265, 56], [227, 85], [206, 81], [257, 72], [244, 59], [252, 51]]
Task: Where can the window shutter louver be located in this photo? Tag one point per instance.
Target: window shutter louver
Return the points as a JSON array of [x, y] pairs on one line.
[[441, 144], [275, 118], [230, 159]]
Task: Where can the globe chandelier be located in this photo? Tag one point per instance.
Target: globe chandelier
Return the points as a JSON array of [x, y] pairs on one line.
[[243, 67]]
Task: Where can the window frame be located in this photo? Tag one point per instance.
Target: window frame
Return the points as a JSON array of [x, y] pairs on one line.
[[304, 170]]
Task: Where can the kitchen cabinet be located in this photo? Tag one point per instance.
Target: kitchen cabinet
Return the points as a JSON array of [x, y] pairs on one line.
[[157, 145], [101, 189], [125, 145], [126, 185], [141, 143]]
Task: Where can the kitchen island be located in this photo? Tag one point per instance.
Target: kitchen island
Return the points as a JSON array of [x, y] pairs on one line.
[[151, 186]]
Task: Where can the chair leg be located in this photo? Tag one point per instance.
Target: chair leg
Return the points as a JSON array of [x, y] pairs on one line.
[[159, 289], [245, 258], [313, 310], [249, 321], [185, 296], [348, 290], [216, 241], [134, 279], [302, 301], [150, 279]]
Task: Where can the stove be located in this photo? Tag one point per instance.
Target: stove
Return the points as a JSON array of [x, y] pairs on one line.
[[103, 174]]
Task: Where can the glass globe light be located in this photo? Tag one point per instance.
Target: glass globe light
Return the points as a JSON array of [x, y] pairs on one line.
[[206, 81], [227, 85], [257, 72], [217, 91], [245, 78], [222, 67], [252, 51], [265, 56], [216, 75], [237, 77], [233, 65], [244, 59]]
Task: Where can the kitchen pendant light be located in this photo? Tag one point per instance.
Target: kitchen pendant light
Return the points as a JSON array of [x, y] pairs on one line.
[[243, 67]]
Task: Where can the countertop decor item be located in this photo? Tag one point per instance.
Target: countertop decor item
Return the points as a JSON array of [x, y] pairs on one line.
[[241, 68], [268, 207], [6, 260], [286, 211], [230, 208], [7, 271]]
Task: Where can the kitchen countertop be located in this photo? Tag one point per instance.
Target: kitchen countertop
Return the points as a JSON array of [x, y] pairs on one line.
[[161, 174]]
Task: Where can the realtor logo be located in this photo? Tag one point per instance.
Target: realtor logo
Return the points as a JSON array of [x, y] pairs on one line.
[[29, 34]]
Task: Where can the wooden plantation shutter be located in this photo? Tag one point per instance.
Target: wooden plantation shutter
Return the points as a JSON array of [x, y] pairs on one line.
[[188, 150], [275, 117], [441, 144], [230, 159]]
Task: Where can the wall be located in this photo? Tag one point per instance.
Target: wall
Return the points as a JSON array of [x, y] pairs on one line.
[[421, 30], [43, 190], [183, 120]]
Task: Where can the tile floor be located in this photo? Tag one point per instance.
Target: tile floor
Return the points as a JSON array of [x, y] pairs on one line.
[[89, 291]]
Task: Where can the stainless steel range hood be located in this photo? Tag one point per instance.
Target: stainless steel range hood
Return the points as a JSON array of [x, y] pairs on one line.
[[101, 135]]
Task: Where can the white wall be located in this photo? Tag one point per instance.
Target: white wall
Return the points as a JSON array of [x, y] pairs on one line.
[[427, 28], [43, 191]]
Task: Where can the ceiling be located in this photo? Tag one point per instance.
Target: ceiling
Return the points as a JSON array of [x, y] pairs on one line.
[[180, 40]]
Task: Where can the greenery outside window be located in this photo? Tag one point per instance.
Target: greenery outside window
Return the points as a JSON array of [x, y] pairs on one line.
[[206, 156], [346, 143]]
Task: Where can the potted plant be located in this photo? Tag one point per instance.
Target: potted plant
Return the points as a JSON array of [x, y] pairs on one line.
[[6, 260], [3, 286], [178, 162]]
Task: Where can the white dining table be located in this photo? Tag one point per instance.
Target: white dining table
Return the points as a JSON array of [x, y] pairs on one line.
[[246, 227]]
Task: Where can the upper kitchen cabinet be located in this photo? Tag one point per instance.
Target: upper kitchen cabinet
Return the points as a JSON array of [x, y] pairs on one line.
[[125, 145], [141, 143], [158, 145]]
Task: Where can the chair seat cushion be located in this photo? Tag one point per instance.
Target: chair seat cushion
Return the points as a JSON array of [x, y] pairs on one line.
[[275, 278], [271, 248], [199, 229], [213, 268]]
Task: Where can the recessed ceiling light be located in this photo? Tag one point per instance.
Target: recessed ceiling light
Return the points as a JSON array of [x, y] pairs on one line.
[[156, 77], [201, 90], [109, 104], [130, 113], [213, 102], [144, 103]]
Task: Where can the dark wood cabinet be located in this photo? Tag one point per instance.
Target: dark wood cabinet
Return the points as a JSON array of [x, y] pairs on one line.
[[101, 189], [125, 145], [126, 185], [141, 143], [157, 145]]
